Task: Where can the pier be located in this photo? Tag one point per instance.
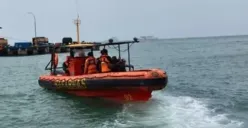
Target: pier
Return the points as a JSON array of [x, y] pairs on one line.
[[38, 46]]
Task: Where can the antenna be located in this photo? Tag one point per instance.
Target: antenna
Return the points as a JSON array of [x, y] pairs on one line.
[[76, 3], [77, 22]]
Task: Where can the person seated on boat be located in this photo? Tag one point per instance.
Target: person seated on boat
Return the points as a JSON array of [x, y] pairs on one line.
[[98, 63], [115, 65], [118, 65], [90, 64], [105, 62], [122, 65]]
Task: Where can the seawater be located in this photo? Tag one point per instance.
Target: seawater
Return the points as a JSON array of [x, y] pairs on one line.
[[207, 89]]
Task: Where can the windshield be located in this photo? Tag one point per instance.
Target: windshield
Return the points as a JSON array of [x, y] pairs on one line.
[[81, 52]]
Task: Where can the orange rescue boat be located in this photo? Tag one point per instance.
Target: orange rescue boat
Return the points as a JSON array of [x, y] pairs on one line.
[[131, 85]]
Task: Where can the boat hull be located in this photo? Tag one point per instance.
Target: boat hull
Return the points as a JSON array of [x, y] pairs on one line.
[[121, 86], [117, 95]]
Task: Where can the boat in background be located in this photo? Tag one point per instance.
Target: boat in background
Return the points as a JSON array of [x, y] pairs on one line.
[[148, 38]]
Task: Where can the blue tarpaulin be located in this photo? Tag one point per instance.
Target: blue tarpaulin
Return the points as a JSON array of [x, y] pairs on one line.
[[23, 44]]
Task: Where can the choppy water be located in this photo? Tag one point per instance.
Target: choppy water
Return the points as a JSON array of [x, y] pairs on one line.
[[207, 89]]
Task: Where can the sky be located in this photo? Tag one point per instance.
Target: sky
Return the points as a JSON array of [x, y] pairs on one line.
[[124, 19]]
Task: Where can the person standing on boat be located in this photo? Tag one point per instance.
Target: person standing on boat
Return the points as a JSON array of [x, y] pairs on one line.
[[90, 64], [104, 62]]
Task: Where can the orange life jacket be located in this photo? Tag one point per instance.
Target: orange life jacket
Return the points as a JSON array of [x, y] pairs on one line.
[[105, 64], [90, 65]]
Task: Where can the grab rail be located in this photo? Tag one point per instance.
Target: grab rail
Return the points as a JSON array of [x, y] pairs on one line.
[[130, 66]]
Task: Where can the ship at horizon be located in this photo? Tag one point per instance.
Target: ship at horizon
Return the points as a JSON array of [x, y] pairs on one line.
[[144, 38]]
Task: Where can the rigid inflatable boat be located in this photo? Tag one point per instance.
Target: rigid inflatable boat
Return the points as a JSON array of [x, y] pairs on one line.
[[127, 85]]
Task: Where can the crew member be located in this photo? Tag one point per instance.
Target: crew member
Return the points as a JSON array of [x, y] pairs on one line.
[[105, 61], [66, 65], [115, 65], [90, 64], [122, 64]]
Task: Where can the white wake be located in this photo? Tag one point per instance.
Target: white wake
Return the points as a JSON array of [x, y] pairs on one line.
[[165, 111]]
